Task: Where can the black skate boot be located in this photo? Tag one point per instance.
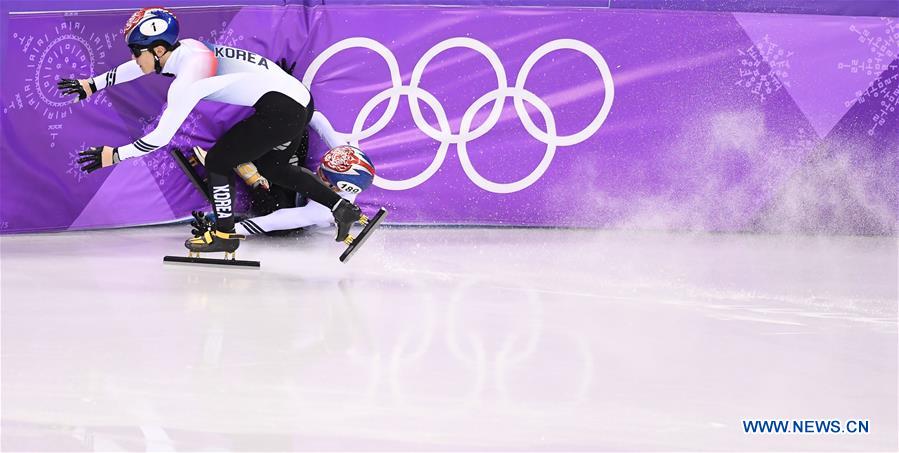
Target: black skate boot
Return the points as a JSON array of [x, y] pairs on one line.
[[345, 215], [208, 239], [353, 243], [213, 240]]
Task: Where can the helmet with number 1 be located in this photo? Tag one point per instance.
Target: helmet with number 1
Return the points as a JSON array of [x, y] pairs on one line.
[[347, 168], [150, 27]]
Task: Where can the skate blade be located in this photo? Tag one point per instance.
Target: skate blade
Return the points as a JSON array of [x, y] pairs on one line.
[[357, 242], [218, 262], [190, 172]]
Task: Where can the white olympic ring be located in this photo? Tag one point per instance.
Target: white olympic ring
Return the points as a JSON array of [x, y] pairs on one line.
[[444, 135]]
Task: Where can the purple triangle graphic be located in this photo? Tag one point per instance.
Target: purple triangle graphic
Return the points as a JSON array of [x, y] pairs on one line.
[[824, 63], [129, 196]]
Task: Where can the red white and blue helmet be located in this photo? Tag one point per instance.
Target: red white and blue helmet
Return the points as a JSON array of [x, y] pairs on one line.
[[347, 168], [150, 27]]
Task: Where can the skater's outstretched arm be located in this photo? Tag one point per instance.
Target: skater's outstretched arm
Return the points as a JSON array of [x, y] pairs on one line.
[[84, 88], [124, 72], [194, 82], [192, 85]]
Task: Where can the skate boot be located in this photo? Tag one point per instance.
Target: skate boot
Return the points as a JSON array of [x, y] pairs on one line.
[[345, 215], [208, 239], [213, 240]]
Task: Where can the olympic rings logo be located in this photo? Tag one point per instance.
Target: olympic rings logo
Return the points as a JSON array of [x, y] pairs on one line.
[[444, 135]]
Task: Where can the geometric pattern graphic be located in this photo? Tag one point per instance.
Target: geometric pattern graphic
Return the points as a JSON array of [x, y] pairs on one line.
[[839, 59]]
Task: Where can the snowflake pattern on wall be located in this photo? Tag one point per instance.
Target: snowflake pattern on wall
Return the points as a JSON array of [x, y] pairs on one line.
[[159, 162], [71, 51], [885, 92], [224, 36], [74, 169], [884, 51], [883, 47], [764, 68]]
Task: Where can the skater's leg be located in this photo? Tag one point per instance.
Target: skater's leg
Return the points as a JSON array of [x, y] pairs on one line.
[[312, 214], [276, 167], [221, 192], [222, 237], [276, 121]]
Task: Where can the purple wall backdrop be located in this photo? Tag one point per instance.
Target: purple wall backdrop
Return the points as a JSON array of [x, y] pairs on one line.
[[621, 118], [833, 7]]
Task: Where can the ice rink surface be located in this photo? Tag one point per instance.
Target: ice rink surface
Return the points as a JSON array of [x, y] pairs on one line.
[[448, 339]]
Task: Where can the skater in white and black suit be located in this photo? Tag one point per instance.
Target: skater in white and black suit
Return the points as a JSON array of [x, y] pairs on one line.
[[202, 71]]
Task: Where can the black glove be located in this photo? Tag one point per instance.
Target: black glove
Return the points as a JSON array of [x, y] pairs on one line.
[[71, 86], [199, 224], [92, 158], [283, 64]]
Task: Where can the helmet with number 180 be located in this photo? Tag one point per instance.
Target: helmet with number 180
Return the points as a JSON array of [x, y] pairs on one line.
[[150, 27], [347, 168]]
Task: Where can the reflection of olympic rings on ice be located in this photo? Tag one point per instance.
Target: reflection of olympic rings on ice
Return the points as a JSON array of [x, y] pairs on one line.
[[524, 334], [444, 135], [579, 380]]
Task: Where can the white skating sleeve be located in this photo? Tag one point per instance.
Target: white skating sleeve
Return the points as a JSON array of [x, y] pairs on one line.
[[313, 214], [122, 73], [192, 84], [320, 124]]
